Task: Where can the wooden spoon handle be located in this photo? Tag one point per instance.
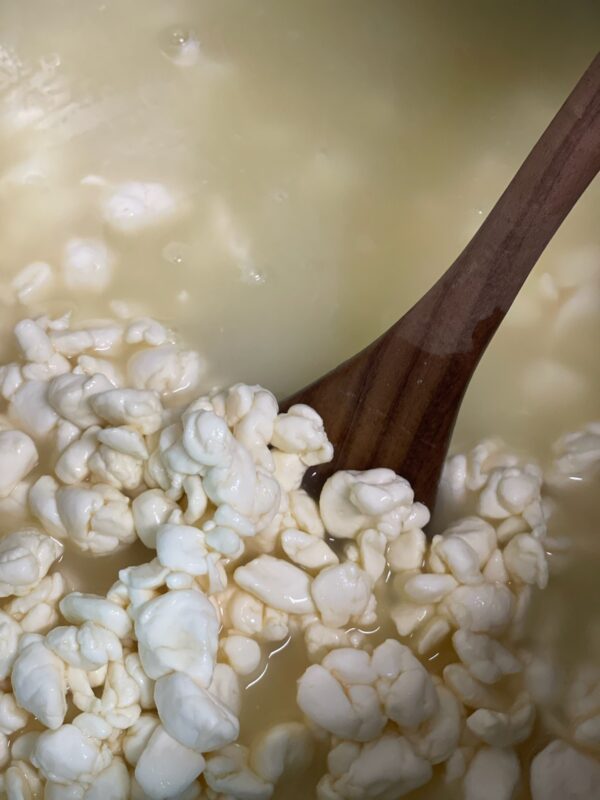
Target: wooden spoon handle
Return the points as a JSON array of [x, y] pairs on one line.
[[395, 403], [492, 268]]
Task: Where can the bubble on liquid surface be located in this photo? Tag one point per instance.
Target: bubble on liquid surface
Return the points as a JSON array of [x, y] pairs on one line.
[[252, 276], [181, 46], [176, 252]]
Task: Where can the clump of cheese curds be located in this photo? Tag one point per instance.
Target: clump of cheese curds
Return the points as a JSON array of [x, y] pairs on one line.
[[105, 438]]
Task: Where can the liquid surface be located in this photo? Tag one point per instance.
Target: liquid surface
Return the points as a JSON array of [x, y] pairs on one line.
[[328, 161]]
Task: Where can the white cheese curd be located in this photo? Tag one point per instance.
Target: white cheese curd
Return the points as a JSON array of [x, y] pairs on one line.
[[207, 439], [168, 370], [125, 441], [87, 265], [493, 774], [66, 755], [39, 681], [472, 693], [25, 558], [196, 502], [165, 767], [371, 554], [24, 745], [10, 632], [33, 341], [21, 779], [145, 330], [438, 737], [301, 431], [73, 465], [32, 282], [484, 608], [404, 686], [37, 611], [475, 532], [577, 454], [140, 409], [458, 556], [193, 715], [182, 547], [306, 550], [150, 510], [80, 608], [525, 560], [12, 718], [42, 503], [320, 639], [243, 653], [178, 631], [88, 647], [112, 783], [138, 735], [90, 365], [18, 456], [277, 583], [29, 409], [304, 511], [228, 774], [225, 685], [136, 205], [96, 519], [354, 501], [251, 412], [407, 551], [428, 588], [560, 771], [70, 395], [485, 658], [11, 378], [341, 594], [504, 729], [352, 712], [385, 768], [283, 749], [251, 617], [133, 665], [99, 336]]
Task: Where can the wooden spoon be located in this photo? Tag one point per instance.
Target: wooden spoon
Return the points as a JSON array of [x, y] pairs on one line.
[[394, 404]]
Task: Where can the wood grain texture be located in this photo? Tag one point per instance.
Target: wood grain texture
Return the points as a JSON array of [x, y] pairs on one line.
[[395, 403]]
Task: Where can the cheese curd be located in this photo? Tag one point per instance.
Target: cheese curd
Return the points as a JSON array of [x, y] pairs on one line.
[[193, 715], [135, 205], [18, 456], [25, 558], [39, 681]]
